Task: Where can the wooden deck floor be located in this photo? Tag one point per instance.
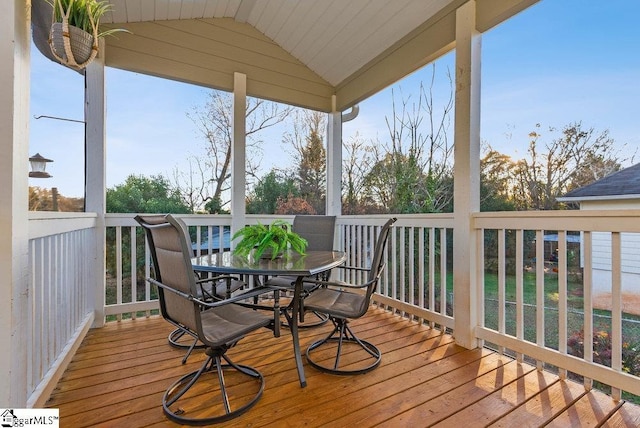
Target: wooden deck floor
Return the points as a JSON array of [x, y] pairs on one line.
[[120, 372]]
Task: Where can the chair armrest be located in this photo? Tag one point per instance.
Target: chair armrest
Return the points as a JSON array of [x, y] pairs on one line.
[[254, 292], [356, 268], [217, 278], [322, 283]]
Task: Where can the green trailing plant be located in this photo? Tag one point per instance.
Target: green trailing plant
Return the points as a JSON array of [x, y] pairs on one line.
[[82, 13], [276, 237]]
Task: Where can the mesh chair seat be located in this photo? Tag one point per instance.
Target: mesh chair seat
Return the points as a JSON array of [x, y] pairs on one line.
[[230, 321], [209, 289], [342, 301], [336, 303]]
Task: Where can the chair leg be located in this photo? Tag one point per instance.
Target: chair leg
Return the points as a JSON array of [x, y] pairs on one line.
[[343, 335], [178, 405], [174, 340]]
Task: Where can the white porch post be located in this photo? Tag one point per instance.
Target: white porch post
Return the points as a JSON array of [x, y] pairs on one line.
[[95, 174], [334, 163], [15, 39], [238, 153], [466, 194]]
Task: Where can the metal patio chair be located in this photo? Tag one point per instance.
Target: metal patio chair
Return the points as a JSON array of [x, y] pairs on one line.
[[219, 325], [343, 301], [319, 231], [210, 289]]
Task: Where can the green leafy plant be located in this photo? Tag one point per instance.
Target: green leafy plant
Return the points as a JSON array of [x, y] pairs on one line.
[[82, 12], [276, 237]]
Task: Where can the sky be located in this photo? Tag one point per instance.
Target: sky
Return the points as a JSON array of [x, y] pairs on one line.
[[556, 63]]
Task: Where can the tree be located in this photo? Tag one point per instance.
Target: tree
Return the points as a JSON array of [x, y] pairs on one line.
[[41, 199], [412, 172], [496, 182], [355, 166], [208, 176], [270, 189], [310, 156], [565, 164], [294, 205], [139, 194]]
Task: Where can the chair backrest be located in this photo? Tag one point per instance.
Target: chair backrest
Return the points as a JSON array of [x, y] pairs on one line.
[[377, 261], [171, 256], [318, 230]]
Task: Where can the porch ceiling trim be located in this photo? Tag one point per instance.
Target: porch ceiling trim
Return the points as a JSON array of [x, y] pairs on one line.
[[206, 45], [208, 52]]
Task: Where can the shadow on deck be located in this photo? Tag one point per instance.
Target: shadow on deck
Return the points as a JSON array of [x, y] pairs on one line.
[[120, 372]]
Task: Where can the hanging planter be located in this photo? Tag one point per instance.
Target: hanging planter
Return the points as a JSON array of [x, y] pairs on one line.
[[75, 30], [79, 42]]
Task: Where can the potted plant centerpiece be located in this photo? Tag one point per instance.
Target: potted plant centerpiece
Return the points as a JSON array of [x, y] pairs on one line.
[[75, 30], [268, 240]]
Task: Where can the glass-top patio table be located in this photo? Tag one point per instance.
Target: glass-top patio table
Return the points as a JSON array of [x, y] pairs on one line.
[[292, 264]]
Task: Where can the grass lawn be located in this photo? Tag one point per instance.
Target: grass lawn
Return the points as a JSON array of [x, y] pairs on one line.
[[575, 315]]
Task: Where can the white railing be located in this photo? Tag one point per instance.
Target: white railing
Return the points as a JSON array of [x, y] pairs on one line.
[[558, 327], [417, 281], [414, 281], [61, 258]]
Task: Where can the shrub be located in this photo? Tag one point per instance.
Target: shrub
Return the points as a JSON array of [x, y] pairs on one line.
[[602, 350]]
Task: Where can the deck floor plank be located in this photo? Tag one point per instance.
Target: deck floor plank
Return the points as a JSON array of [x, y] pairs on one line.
[[501, 401], [543, 407], [121, 371]]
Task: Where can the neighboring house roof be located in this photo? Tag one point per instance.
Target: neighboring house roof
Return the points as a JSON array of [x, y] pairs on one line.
[[624, 184]]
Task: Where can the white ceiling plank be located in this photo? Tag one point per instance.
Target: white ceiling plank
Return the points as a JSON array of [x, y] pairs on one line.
[[242, 10], [186, 9], [316, 31], [319, 52], [174, 9], [118, 11], [340, 28], [256, 13], [209, 8], [147, 10], [282, 10], [220, 9], [387, 26], [134, 10], [300, 20], [161, 10], [351, 37], [198, 8]]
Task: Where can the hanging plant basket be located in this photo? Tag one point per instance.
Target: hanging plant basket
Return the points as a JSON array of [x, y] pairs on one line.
[[74, 30], [81, 45]]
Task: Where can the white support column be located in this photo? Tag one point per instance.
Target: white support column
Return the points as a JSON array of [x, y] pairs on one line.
[[95, 173], [466, 195], [334, 163], [238, 153], [15, 40]]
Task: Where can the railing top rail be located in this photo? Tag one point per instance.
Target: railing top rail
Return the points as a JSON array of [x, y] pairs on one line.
[[583, 220], [43, 224]]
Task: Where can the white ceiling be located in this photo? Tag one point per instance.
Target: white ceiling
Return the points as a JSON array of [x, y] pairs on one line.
[[334, 38], [317, 54]]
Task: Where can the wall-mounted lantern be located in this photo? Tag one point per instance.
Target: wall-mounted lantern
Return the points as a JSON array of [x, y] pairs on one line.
[[39, 166]]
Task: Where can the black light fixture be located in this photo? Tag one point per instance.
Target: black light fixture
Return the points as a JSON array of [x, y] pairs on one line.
[[39, 166]]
